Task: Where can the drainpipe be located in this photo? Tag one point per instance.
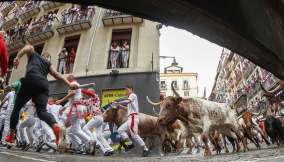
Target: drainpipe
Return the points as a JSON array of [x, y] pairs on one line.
[[92, 41]]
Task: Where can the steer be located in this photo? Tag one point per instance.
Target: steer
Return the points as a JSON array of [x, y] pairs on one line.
[[148, 127], [273, 126], [201, 116], [250, 128]]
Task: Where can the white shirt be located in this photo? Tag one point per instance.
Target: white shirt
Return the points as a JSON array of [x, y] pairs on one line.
[[30, 109], [133, 105], [54, 110], [78, 95], [10, 98], [4, 108]]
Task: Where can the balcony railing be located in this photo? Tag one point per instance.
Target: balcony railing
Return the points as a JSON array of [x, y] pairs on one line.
[[255, 88], [29, 10], [112, 17], [76, 20], [7, 7], [248, 68], [50, 5], [40, 31], [10, 21], [20, 3], [15, 41]]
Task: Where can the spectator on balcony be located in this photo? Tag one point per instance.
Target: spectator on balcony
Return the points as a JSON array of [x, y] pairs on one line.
[[74, 14], [64, 16], [90, 12], [114, 53], [62, 61], [72, 56], [50, 19], [125, 54]]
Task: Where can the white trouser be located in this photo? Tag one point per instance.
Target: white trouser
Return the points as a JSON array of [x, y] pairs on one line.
[[97, 122], [125, 127], [125, 55], [42, 129], [29, 124], [71, 138], [2, 120], [61, 67], [77, 130], [7, 123], [113, 59]]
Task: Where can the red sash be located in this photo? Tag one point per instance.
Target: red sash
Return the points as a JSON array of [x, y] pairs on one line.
[[132, 122]]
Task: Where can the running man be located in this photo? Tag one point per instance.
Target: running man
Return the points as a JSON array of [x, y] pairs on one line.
[[131, 124], [35, 86]]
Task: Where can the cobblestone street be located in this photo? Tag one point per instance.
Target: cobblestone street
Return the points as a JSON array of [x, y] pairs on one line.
[[265, 154]]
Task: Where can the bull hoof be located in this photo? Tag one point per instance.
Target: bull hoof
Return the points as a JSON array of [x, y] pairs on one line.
[[61, 148], [189, 152], [226, 151], [207, 153], [198, 151]]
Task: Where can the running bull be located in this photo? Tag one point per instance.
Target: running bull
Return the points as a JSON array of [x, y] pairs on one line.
[[201, 116], [148, 127]]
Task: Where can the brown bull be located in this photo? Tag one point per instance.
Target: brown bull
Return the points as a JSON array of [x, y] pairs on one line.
[[147, 127], [249, 128]]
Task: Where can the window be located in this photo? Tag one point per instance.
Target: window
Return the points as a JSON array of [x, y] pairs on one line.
[[186, 93], [163, 85], [67, 56], [185, 84], [175, 84], [119, 49]]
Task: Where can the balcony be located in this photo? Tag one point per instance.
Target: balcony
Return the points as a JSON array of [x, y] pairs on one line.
[[20, 3], [15, 43], [39, 32], [112, 17], [76, 21], [7, 7], [9, 22], [29, 10], [50, 5]]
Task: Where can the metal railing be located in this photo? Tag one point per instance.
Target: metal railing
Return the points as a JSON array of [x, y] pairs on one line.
[[29, 6], [40, 26], [15, 35], [113, 13], [77, 15]]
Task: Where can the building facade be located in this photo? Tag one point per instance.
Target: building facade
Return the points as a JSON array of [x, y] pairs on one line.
[[184, 83], [237, 82], [95, 44]]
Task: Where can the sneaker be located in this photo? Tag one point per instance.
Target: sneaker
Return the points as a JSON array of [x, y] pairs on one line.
[[27, 147], [108, 153], [128, 147], [39, 146], [145, 153], [23, 145], [10, 138]]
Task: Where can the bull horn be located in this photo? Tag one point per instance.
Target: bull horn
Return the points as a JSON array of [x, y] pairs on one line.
[[267, 93], [276, 88], [175, 92], [151, 102], [255, 114], [239, 117], [156, 114]]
